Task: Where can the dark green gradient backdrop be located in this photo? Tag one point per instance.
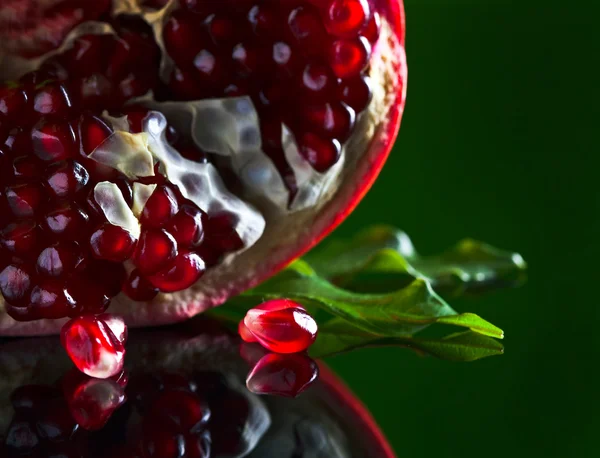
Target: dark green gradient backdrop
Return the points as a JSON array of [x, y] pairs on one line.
[[499, 142]]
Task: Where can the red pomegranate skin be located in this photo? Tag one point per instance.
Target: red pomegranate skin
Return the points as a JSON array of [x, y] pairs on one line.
[[357, 180]]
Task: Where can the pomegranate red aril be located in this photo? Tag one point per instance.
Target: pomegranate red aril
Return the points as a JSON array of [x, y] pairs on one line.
[[66, 221], [66, 178], [53, 140], [245, 333], [356, 92], [330, 120], [208, 69], [159, 209], [138, 288], [93, 347], [112, 243], [52, 99], [318, 82], [289, 330], [321, 153], [186, 227], [373, 28], [92, 402], [59, 260], [25, 167], [349, 58], [263, 21], [222, 30], [20, 238], [16, 283], [155, 249], [282, 375], [49, 299], [24, 199], [279, 304], [305, 26], [346, 17], [186, 269], [182, 37], [13, 102], [93, 131]]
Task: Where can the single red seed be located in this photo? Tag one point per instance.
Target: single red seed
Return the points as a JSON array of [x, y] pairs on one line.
[[66, 179], [91, 401], [20, 238], [186, 226], [24, 199], [13, 102], [317, 82], [59, 260], [263, 21], [279, 304], [93, 131], [53, 140], [52, 99], [49, 299], [66, 221], [283, 375], [373, 28], [346, 17], [306, 27], [93, 347], [186, 270], [245, 333], [348, 58], [329, 120], [160, 208], [26, 168], [223, 31], [320, 153], [356, 92], [112, 243], [289, 330], [15, 284], [138, 288], [155, 250], [182, 37]]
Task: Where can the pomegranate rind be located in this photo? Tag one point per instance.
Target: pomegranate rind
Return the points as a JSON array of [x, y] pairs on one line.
[[287, 238]]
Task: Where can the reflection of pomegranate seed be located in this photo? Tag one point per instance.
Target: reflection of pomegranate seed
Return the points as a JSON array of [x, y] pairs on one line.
[[93, 346], [281, 327], [282, 375], [93, 401]]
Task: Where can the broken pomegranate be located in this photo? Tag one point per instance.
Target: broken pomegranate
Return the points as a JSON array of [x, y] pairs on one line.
[[280, 325], [157, 157]]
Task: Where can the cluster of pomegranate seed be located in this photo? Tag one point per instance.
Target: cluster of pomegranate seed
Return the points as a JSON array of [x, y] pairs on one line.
[[151, 415], [58, 254], [280, 326], [303, 62], [103, 71], [54, 420]]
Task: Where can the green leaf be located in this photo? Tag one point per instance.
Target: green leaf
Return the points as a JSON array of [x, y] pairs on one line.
[[383, 259], [399, 313], [338, 336]]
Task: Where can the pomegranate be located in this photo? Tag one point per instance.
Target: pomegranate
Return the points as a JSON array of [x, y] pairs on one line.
[[183, 392], [157, 157]]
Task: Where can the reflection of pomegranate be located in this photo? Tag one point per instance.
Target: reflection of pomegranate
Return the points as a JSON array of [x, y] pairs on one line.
[[183, 392], [159, 156]]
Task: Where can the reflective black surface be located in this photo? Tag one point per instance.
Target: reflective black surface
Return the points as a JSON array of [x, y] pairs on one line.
[[184, 393]]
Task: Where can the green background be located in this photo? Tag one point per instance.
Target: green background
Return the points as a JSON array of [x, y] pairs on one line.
[[499, 142]]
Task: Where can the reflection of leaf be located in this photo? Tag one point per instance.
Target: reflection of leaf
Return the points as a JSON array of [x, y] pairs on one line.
[[384, 259], [338, 336], [399, 313]]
